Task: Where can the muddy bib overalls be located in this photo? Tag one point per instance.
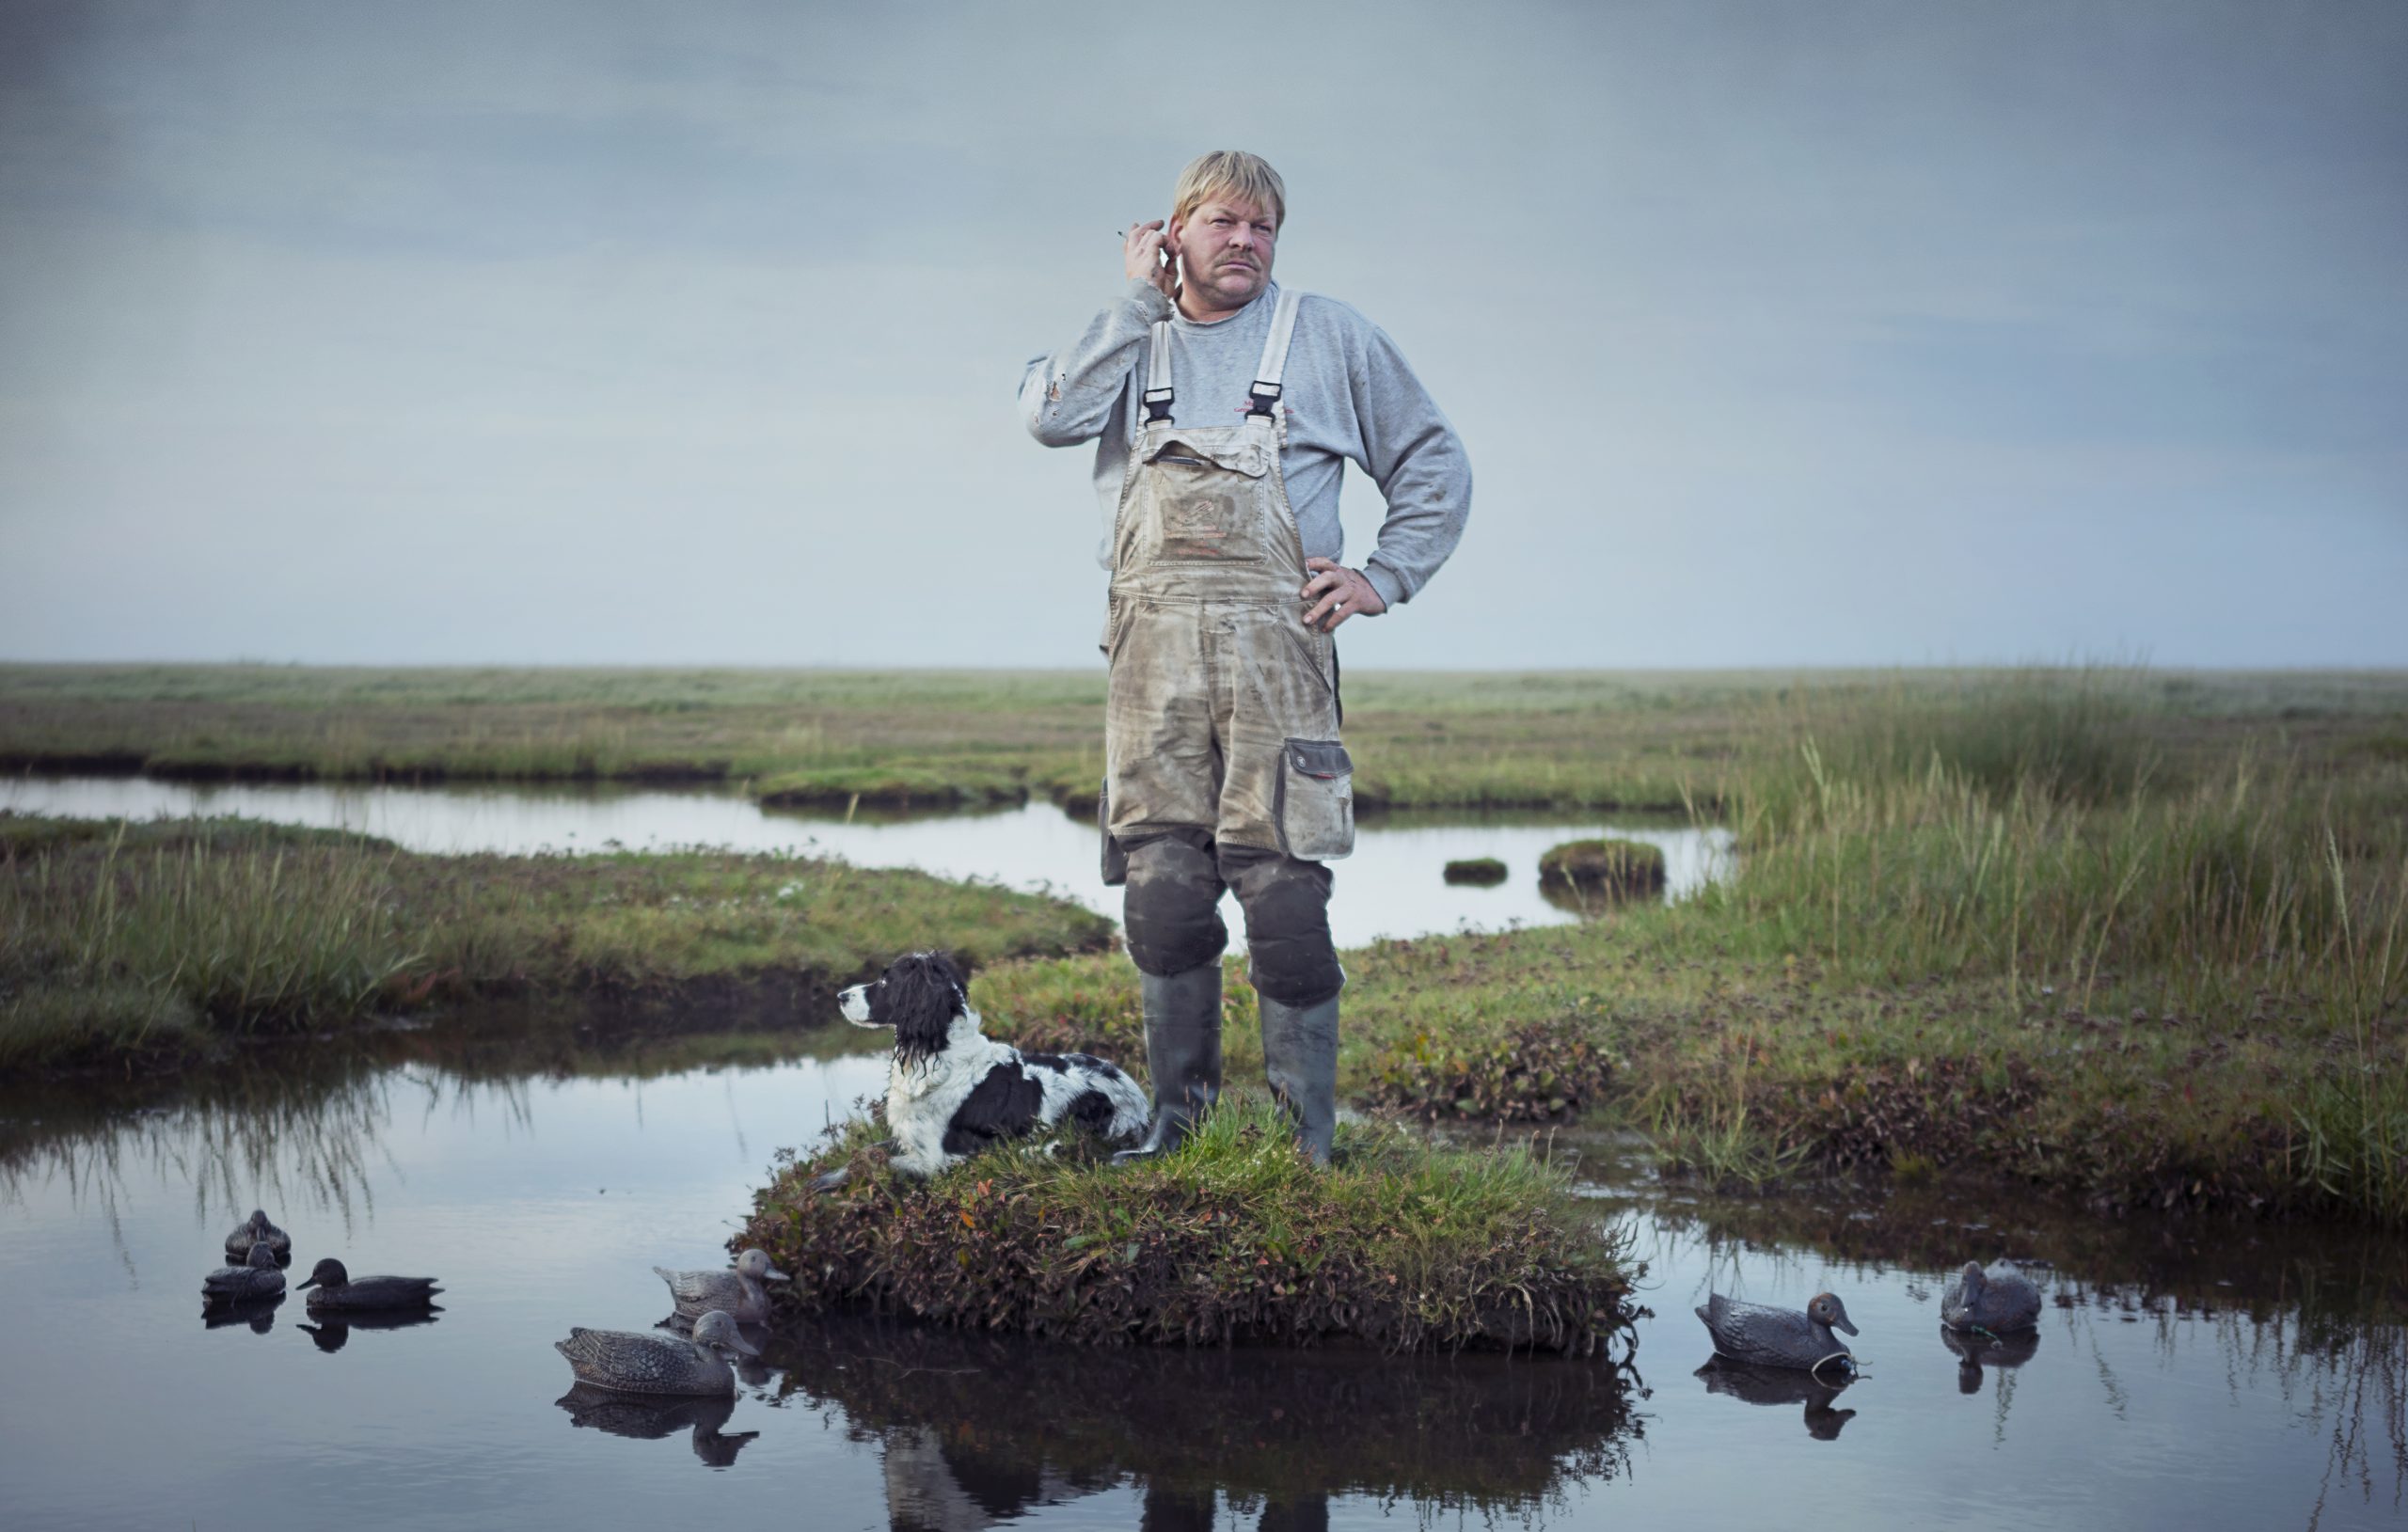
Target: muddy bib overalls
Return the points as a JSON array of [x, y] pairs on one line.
[[1222, 763], [1223, 706]]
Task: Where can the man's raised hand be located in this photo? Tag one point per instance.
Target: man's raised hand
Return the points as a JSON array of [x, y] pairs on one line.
[[1143, 255]]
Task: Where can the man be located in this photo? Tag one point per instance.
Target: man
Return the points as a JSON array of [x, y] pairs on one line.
[[1225, 409]]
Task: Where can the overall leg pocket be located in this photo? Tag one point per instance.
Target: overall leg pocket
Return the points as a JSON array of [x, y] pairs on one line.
[[1315, 807], [1115, 861]]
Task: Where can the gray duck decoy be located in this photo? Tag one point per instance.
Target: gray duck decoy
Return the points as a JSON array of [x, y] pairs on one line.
[[1998, 1300], [636, 1363], [333, 1287], [255, 1279], [253, 1230], [1779, 1337], [742, 1294]]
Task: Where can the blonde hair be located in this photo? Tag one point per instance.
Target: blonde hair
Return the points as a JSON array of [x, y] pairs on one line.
[[1230, 174]]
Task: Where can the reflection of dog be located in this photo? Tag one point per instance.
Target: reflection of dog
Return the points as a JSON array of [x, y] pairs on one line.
[[952, 1091]]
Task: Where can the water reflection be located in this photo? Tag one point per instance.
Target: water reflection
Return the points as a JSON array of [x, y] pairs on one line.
[[1780, 1386], [333, 1332], [649, 1417], [257, 1315], [980, 1430], [1976, 1352], [1393, 885]]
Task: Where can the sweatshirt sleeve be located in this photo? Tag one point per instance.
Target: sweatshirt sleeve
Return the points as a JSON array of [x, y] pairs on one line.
[[1418, 462], [1066, 398]]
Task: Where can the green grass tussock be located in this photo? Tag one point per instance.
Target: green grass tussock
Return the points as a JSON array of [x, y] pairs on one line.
[[1402, 1244], [1479, 872], [1622, 868], [125, 937]]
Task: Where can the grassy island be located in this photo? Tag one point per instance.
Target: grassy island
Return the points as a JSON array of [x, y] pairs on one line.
[[1401, 1244], [155, 943]]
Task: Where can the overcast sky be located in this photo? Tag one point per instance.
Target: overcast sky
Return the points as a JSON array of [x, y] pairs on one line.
[[1779, 333]]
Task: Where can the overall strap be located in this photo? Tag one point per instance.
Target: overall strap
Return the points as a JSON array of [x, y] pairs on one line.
[[1265, 393], [1158, 388]]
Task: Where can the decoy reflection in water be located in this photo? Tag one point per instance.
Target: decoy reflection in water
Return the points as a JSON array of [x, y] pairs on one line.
[[333, 1330], [255, 1279], [1976, 1352], [742, 1294], [259, 1314], [650, 1417], [1783, 1386], [638, 1363], [1999, 1299], [331, 1288], [255, 1228], [1780, 1337]]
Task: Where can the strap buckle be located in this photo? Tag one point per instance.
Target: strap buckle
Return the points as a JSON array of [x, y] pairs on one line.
[[1157, 402], [1263, 395]]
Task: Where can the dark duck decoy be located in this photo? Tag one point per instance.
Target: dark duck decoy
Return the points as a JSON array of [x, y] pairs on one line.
[[637, 1363], [335, 1289], [742, 1294], [1780, 1337], [256, 1278], [1999, 1299], [253, 1230]]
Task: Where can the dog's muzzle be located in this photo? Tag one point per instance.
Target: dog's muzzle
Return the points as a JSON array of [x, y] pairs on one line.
[[854, 1004]]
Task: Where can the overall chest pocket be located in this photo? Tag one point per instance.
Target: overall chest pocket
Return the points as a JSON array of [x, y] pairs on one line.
[[1208, 502], [1314, 802]]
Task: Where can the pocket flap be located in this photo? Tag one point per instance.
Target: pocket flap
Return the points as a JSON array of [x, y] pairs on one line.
[[1323, 758], [1248, 458]]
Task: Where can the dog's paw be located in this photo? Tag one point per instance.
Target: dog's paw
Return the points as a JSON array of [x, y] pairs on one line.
[[831, 1179]]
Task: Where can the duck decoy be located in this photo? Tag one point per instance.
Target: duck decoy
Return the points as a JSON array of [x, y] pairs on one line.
[[253, 1230], [1783, 1386], [636, 1363], [1779, 1337], [741, 1294], [333, 1287], [650, 1419], [1999, 1299], [255, 1279]]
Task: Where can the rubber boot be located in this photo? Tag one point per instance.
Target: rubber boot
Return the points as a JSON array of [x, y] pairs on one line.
[[1300, 1053], [1183, 1053]]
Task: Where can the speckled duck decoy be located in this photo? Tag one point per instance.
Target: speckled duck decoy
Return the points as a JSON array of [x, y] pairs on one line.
[[1998, 1300], [253, 1230], [331, 1288], [741, 1294], [255, 1279], [636, 1363], [1779, 1337]]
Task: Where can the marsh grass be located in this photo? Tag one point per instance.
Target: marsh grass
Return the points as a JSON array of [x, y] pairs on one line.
[[118, 936], [1401, 1243]]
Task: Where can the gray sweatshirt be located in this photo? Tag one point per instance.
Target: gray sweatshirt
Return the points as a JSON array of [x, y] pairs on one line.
[[1347, 392]]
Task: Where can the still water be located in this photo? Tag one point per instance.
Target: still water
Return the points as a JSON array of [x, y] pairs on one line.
[[1389, 886], [2186, 1374]]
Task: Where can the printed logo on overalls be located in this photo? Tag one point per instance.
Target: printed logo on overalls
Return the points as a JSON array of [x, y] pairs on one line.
[[1202, 527]]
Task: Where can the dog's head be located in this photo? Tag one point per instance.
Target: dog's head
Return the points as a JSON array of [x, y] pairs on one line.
[[919, 995]]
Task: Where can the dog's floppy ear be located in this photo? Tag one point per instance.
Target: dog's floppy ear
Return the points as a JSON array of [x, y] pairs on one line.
[[923, 994]]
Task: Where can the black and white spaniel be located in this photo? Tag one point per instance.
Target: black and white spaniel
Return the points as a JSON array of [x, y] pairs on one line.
[[952, 1090]]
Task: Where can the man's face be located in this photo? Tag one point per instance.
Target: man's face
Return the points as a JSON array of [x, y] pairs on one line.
[[1225, 249]]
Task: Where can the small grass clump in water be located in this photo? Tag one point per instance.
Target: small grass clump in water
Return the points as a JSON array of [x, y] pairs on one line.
[[1480, 872], [1401, 1243], [1616, 867]]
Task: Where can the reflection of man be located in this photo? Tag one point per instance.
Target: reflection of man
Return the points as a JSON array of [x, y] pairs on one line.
[[1227, 407]]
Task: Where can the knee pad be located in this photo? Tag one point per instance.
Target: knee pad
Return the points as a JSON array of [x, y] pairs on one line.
[[1170, 911], [1287, 930]]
